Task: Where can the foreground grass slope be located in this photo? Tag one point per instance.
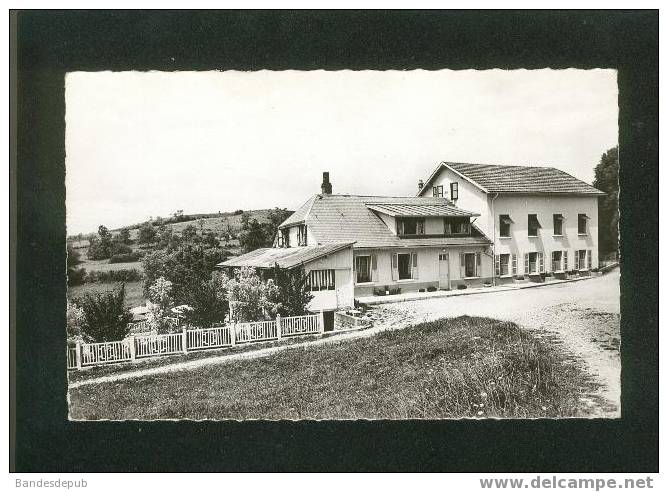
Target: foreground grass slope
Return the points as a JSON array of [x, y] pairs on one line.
[[461, 367]]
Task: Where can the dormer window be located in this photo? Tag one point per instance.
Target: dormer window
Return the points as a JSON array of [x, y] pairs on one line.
[[456, 227], [454, 191], [301, 235], [438, 191], [410, 226]]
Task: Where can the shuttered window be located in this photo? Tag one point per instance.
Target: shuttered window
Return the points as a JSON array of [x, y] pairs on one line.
[[438, 191], [454, 191], [514, 259], [502, 265], [321, 280]]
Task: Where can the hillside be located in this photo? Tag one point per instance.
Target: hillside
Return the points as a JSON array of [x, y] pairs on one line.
[[221, 224]]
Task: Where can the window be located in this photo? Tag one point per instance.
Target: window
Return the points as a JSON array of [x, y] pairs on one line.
[[558, 224], [438, 191], [556, 261], [454, 191], [533, 225], [405, 266], [504, 264], [321, 280], [582, 223], [452, 226], [469, 265], [284, 238], [504, 225], [533, 263], [410, 226], [583, 259], [301, 235], [363, 269]]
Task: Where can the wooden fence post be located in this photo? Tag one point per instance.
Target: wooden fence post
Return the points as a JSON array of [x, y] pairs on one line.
[[77, 351], [131, 340], [233, 334], [321, 322], [278, 326], [184, 340]]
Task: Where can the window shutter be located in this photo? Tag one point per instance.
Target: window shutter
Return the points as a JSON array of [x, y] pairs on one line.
[[374, 268], [565, 260], [395, 267], [589, 259], [415, 266], [577, 259], [541, 262], [420, 226], [497, 265], [355, 264], [462, 265], [514, 259], [478, 260], [526, 263]]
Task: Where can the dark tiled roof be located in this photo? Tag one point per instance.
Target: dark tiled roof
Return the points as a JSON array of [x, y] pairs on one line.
[[521, 179], [347, 218], [419, 210], [285, 257]]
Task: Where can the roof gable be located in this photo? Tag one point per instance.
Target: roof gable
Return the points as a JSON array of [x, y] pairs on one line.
[[516, 179]]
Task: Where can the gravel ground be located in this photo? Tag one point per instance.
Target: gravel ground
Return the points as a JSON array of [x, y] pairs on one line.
[[582, 316]]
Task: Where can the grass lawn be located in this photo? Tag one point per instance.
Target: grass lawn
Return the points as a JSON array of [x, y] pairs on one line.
[[460, 367], [134, 295], [105, 266]]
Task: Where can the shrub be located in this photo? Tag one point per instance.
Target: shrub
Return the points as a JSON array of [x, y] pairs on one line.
[[421, 290], [250, 298], [99, 250], [379, 292], [105, 316], [126, 257], [293, 294], [432, 288], [394, 292], [118, 248], [76, 276], [125, 275], [461, 287], [238, 212]]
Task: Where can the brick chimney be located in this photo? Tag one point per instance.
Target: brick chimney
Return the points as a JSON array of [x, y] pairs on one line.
[[326, 185], [420, 185]]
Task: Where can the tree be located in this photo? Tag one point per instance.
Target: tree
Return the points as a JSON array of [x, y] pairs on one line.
[[147, 233], [100, 247], [186, 267], [75, 276], [189, 233], [276, 217], [208, 303], [250, 299], [293, 294], [124, 236], [606, 179], [103, 232], [253, 236], [160, 295], [105, 316], [75, 320]]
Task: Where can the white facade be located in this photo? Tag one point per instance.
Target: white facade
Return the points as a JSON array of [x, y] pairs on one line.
[[342, 295], [518, 207]]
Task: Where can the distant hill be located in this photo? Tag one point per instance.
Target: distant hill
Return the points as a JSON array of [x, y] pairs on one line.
[[221, 224]]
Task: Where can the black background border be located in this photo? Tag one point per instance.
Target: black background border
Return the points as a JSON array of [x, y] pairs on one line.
[[46, 44]]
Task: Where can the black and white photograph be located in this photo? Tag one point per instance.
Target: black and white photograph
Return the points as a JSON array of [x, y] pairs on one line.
[[342, 244], [264, 240]]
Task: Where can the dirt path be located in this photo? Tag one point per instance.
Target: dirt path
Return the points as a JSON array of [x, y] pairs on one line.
[[583, 316]]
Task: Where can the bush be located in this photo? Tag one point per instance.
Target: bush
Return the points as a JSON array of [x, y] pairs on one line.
[[105, 316], [432, 288], [76, 276], [421, 290], [461, 287], [125, 275], [126, 257], [394, 292], [118, 248]]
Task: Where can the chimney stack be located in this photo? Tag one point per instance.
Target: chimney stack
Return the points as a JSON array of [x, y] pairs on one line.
[[326, 185], [420, 185]]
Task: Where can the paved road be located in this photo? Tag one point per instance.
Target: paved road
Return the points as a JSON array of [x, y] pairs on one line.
[[583, 315]]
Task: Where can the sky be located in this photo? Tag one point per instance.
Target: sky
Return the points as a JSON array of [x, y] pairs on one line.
[[142, 144]]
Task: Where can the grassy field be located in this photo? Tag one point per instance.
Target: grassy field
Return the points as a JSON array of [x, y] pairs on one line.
[[134, 295], [461, 367]]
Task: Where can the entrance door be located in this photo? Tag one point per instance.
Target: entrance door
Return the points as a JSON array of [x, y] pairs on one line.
[[443, 271], [329, 320]]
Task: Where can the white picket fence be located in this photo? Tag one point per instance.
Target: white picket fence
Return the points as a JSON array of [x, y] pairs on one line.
[[141, 346]]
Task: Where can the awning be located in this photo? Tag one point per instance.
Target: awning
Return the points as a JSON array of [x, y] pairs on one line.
[[507, 220], [559, 217], [585, 216]]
